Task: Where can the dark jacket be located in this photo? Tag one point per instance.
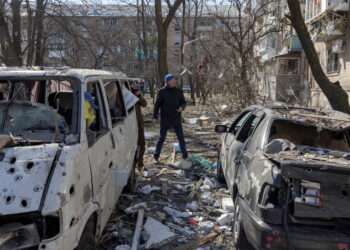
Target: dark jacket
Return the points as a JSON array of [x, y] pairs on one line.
[[168, 101]]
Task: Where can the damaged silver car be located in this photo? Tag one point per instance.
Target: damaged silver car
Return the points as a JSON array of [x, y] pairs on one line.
[[68, 143], [288, 170]]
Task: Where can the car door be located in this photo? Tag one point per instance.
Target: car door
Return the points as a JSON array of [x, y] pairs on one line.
[[100, 147], [119, 132], [229, 137], [237, 147]]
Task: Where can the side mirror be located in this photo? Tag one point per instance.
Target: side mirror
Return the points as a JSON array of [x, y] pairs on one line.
[[221, 128]]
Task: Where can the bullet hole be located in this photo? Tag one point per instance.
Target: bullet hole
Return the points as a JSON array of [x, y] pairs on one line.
[[63, 173], [36, 188], [345, 192], [72, 222], [24, 203], [308, 170], [30, 165], [71, 190], [13, 160], [11, 170], [9, 199], [18, 178], [43, 246], [2, 156]]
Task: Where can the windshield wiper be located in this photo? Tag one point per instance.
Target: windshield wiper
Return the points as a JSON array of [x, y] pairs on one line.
[[8, 107]]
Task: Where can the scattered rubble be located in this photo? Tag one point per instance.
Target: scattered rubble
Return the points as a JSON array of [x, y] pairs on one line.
[[184, 205], [158, 234], [227, 204]]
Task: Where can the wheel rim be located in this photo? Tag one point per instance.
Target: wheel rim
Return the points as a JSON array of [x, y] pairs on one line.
[[237, 223]]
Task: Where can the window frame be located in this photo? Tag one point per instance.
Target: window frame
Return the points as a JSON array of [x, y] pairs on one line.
[[247, 113], [97, 135], [120, 94], [288, 59], [331, 56]]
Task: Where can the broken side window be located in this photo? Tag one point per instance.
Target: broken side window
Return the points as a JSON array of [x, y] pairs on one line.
[[288, 66], [237, 124], [95, 113], [248, 128], [127, 86], [115, 101]]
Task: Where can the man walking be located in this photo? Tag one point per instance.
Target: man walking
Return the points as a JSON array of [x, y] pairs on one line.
[[171, 102]]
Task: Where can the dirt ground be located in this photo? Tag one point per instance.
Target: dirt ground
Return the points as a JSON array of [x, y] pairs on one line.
[[163, 186]]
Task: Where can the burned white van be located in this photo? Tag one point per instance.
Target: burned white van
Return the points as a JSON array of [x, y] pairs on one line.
[[68, 141]]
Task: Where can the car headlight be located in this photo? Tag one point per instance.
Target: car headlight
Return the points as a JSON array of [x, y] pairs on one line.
[[18, 236]]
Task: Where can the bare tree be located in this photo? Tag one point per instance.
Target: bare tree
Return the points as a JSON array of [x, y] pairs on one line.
[[336, 95], [239, 24], [162, 28]]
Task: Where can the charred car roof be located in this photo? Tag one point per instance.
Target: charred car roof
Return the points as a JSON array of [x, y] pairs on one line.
[[324, 118]]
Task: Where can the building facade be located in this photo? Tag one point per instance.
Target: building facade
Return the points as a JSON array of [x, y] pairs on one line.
[[327, 21]]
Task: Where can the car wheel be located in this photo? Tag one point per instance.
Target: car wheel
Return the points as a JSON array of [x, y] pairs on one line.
[[239, 238], [219, 173], [87, 239]]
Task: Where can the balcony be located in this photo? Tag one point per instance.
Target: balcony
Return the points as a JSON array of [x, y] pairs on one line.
[[268, 54], [338, 5], [292, 43]]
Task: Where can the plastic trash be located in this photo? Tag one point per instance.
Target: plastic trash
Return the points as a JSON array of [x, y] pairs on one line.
[[199, 161]]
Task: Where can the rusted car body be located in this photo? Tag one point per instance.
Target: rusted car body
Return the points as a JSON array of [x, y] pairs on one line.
[[288, 170], [68, 144]]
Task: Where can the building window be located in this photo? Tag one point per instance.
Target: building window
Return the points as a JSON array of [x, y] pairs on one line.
[[314, 8], [288, 66], [332, 61], [177, 39]]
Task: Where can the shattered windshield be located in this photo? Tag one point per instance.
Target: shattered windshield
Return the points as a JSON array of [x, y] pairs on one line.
[[36, 111]]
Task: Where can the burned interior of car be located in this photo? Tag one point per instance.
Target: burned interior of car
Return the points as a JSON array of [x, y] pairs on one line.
[[39, 110]]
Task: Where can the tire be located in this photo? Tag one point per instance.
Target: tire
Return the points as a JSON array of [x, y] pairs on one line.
[[87, 239], [239, 237], [219, 173]]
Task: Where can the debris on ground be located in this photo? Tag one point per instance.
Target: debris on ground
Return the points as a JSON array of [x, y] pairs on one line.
[[158, 234], [185, 207]]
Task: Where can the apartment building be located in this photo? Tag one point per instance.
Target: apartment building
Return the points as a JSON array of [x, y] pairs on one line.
[[328, 23], [281, 69]]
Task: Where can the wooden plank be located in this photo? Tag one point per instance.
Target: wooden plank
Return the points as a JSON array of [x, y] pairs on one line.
[[194, 191], [197, 242], [137, 234]]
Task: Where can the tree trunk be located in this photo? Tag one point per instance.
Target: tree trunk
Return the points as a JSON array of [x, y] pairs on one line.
[[162, 29], [162, 55], [39, 48], [193, 96], [336, 95], [9, 51], [16, 26], [30, 34]]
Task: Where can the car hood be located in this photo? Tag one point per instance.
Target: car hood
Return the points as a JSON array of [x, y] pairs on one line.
[[23, 175]]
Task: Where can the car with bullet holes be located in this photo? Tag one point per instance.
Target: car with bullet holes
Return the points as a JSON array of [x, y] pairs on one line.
[[288, 171], [68, 144]]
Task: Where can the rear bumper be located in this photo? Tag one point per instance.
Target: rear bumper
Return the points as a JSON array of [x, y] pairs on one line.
[[266, 236]]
